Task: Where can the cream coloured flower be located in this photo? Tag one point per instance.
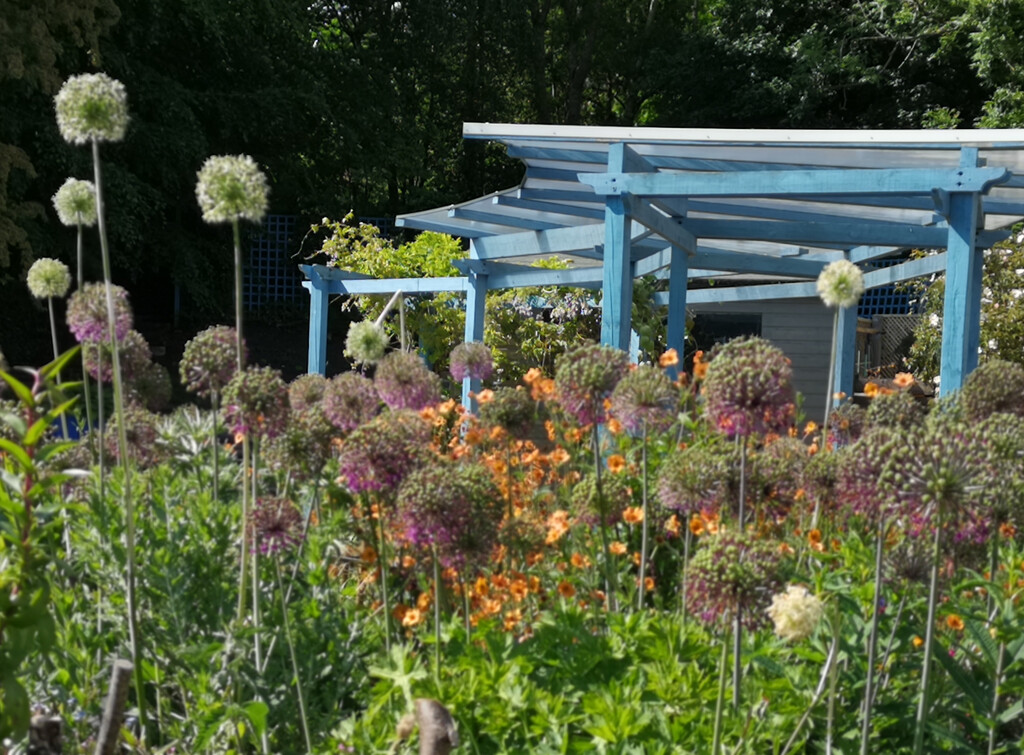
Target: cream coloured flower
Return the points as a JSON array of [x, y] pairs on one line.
[[230, 187], [840, 284], [75, 202], [48, 277], [366, 342], [795, 613], [92, 106]]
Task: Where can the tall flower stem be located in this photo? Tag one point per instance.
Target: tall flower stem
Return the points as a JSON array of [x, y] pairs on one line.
[[723, 664], [994, 712], [295, 663], [101, 455], [833, 677], [611, 576], [929, 637], [737, 630], [85, 373], [240, 365], [643, 525], [831, 379], [382, 559], [264, 737], [56, 353], [122, 445], [437, 613], [876, 607], [687, 535], [214, 446]]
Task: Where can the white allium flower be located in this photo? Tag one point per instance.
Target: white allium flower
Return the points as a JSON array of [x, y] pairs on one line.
[[840, 284], [366, 342], [230, 187], [75, 202], [92, 106], [48, 277], [795, 613]]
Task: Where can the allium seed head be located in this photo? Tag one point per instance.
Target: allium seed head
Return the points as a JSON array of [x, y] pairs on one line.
[[647, 398], [511, 409], [256, 402], [306, 391], [232, 187], [840, 284], [366, 342], [378, 455], [275, 525], [404, 382], [87, 312], [209, 360], [471, 360], [747, 389], [90, 107], [585, 377], [48, 278], [350, 400], [75, 202]]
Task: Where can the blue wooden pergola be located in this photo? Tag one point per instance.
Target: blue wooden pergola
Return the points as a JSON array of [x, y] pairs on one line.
[[759, 211]]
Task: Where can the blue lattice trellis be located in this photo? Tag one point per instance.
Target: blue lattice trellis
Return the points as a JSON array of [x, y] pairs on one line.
[[270, 276], [884, 300]]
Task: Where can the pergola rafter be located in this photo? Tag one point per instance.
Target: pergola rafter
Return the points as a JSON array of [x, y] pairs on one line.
[[762, 210]]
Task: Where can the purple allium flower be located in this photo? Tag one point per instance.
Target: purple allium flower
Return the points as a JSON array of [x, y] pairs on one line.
[[585, 377], [151, 387], [616, 496], [747, 389], [512, 409], [703, 477], [142, 428], [645, 397], [275, 525], [306, 391], [302, 450], [473, 360], [845, 424], [132, 350], [995, 386], [209, 360], [862, 486], [349, 400], [819, 480], [404, 382], [87, 313], [894, 410], [732, 572], [379, 454], [775, 476], [256, 402], [452, 507]]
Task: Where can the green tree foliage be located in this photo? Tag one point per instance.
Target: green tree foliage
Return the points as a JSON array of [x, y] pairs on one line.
[[1002, 313]]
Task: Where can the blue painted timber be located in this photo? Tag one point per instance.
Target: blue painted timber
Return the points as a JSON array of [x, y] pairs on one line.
[[677, 280], [846, 352]]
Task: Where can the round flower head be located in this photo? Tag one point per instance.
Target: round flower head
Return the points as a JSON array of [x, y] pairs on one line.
[[588, 507], [840, 284], [379, 454], [774, 475], [997, 386], [511, 409], [894, 410], [75, 202], [256, 401], [703, 477], [585, 377], [845, 424], [366, 343], [275, 525], [732, 572], [350, 400], [231, 187], [795, 613], [133, 353], [90, 107], [645, 398], [209, 360], [48, 278], [142, 428], [471, 360], [747, 389], [453, 508], [302, 450], [150, 386], [305, 391], [404, 382], [87, 313]]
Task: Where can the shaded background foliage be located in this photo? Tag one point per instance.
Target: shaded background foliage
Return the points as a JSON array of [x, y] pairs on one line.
[[358, 106]]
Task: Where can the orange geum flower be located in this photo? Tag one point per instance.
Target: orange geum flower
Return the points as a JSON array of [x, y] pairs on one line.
[[580, 561], [917, 641], [669, 358], [408, 562], [903, 380], [512, 618], [559, 456], [532, 375], [1007, 530], [616, 463], [398, 612], [633, 515], [481, 587], [696, 525], [672, 525], [534, 583], [412, 618], [424, 601], [565, 589], [617, 548], [368, 555], [518, 589], [485, 395], [954, 622], [810, 427], [613, 426], [532, 559], [499, 581]]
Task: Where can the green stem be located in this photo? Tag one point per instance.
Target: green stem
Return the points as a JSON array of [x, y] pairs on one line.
[[85, 373], [723, 664], [244, 558], [56, 353], [383, 561], [833, 677], [437, 614], [994, 712], [295, 662], [216, 449], [876, 605], [239, 341], [611, 577], [929, 639], [264, 737], [643, 524], [829, 394]]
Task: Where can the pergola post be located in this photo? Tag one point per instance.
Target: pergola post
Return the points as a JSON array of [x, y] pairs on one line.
[[961, 315], [846, 353], [677, 279], [317, 352], [617, 281], [476, 300]]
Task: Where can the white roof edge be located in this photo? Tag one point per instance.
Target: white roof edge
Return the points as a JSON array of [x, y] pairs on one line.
[[990, 137]]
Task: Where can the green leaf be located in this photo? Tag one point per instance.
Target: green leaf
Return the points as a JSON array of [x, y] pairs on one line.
[[59, 363], [256, 712], [18, 453], [22, 391]]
